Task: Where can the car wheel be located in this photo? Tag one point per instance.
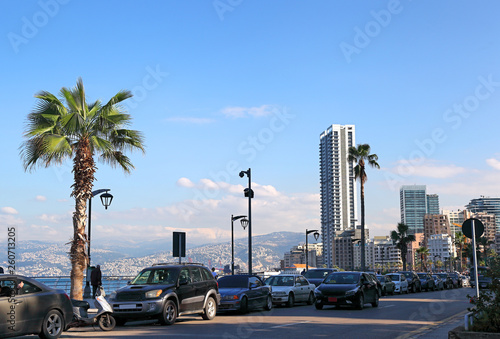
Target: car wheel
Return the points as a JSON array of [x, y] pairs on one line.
[[310, 301], [244, 305], [407, 290], [375, 303], [291, 300], [52, 326], [384, 292], [210, 309], [319, 306], [361, 302], [107, 322], [392, 292], [419, 288], [169, 313], [269, 303]]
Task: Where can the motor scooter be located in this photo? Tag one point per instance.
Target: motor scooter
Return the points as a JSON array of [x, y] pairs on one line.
[[103, 317]]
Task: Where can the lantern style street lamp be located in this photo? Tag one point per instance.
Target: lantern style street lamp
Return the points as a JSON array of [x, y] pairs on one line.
[[244, 224], [316, 235]]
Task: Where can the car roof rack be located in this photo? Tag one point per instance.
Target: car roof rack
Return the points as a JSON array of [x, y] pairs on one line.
[[177, 263]]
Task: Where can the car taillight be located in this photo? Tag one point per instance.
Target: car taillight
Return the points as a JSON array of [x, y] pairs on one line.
[[67, 296]]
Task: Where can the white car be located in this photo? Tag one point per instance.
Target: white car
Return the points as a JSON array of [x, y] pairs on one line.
[[400, 281], [291, 288]]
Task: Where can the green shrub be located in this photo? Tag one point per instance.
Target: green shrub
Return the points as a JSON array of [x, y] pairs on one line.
[[486, 310]]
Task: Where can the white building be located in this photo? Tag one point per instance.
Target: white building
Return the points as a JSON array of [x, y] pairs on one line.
[[369, 250], [441, 247], [338, 185], [454, 217]]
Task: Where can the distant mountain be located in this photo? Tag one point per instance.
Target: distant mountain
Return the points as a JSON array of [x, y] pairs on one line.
[[36, 258]]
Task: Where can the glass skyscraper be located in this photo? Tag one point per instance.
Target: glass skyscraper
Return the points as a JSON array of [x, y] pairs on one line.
[[415, 204], [488, 205]]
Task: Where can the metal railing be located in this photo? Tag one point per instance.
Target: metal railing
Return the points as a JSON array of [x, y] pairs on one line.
[[109, 283]]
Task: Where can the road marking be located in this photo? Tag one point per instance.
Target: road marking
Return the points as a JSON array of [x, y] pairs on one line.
[[386, 306], [302, 322], [432, 326]]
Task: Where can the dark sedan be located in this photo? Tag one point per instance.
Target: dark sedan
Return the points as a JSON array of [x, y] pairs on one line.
[[427, 282], [447, 280], [414, 284], [317, 275], [243, 293], [388, 286], [30, 307], [347, 288]]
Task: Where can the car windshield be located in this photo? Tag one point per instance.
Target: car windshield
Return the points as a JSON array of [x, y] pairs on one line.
[[156, 276], [442, 275], [422, 275], [283, 280], [407, 274], [342, 278], [381, 278], [316, 274], [233, 282], [394, 277]]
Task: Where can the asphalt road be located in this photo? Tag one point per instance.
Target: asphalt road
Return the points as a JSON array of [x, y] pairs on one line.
[[399, 316]]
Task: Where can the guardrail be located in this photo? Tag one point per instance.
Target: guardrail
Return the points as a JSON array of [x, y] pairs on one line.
[[109, 283]]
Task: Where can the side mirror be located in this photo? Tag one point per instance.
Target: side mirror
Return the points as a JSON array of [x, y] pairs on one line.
[[128, 282]]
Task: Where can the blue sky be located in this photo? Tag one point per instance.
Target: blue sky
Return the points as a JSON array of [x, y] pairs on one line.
[[226, 85]]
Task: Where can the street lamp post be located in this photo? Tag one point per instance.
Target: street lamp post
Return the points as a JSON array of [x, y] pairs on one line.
[[243, 223], [316, 235], [106, 199], [249, 193]]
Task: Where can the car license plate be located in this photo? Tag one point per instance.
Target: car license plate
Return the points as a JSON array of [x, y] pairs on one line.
[[332, 299]]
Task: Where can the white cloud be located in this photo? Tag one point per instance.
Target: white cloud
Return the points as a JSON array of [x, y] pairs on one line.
[[427, 169], [185, 182], [243, 112], [191, 120], [9, 210], [493, 163], [40, 198]]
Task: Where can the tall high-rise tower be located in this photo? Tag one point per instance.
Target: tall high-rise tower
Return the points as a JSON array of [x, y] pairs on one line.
[[338, 185], [413, 202]]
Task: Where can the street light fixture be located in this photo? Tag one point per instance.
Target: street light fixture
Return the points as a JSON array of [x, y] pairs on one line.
[[249, 193], [244, 223], [316, 236], [106, 199]]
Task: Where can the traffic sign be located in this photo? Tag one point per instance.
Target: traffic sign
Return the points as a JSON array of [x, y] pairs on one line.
[[467, 228]]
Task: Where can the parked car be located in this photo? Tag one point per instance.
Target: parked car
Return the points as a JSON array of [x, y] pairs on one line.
[[317, 275], [291, 288], [347, 288], [401, 284], [244, 293], [30, 307], [414, 284], [438, 282], [373, 277], [165, 292], [388, 286], [447, 281], [427, 282], [457, 279]]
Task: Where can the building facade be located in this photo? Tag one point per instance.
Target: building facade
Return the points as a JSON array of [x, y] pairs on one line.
[[435, 224], [413, 205], [455, 218], [487, 205], [432, 204], [441, 250], [337, 186]]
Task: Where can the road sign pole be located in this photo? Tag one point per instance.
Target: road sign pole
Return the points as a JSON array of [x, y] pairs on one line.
[[475, 258]]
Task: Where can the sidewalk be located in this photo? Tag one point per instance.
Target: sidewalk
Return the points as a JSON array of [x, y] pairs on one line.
[[441, 331]]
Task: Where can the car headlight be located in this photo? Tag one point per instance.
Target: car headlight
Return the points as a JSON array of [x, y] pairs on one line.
[[351, 292], [153, 294], [230, 297]]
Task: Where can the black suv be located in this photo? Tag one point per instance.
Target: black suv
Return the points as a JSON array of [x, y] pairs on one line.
[[414, 284], [166, 291], [427, 281]]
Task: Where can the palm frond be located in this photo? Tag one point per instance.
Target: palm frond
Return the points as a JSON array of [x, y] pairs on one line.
[[117, 158]]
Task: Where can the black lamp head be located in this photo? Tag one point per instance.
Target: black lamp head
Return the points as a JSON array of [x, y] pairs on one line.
[[242, 174]]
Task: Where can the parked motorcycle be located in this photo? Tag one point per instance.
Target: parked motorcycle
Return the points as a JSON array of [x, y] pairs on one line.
[[103, 317]]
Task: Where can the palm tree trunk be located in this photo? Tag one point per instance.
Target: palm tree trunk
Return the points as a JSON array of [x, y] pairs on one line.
[[363, 265], [83, 171]]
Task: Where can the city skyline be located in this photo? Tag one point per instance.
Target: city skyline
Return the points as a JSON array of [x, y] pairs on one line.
[[217, 91]]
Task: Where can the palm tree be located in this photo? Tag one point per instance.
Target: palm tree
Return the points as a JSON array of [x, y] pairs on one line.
[[423, 252], [360, 155], [460, 241], [79, 131], [402, 239], [485, 244]]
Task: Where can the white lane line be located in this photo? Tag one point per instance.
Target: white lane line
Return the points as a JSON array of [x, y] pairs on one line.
[[302, 322], [387, 306]]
